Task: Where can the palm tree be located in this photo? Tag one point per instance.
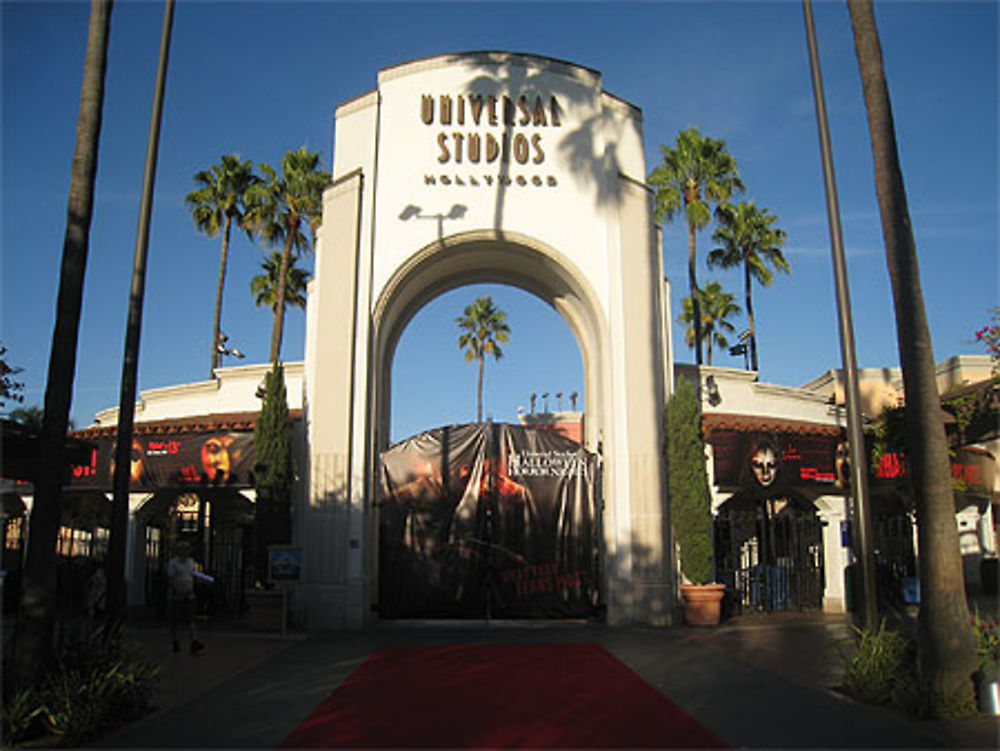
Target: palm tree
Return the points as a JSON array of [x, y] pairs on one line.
[[716, 308], [697, 171], [34, 648], [279, 208], [749, 239], [215, 206], [946, 648], [483, 327], [264, 287]]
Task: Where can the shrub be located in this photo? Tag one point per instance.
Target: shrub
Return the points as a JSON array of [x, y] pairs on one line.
[[687, 483], [882, 668], [94, 688]]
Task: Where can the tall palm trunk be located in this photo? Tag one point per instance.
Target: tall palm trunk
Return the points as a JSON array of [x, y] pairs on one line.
[[695, 295], [479, 390], [751, 325], [946, 648], [36, 619], [216, 357], [279, 304]]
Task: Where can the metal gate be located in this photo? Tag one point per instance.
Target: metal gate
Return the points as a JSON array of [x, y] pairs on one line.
[[769, 553]]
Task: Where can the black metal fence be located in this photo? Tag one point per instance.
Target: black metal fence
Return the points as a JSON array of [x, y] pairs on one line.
[[770, 556]]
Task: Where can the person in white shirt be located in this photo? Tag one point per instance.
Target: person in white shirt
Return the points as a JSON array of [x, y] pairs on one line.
[[181, 573]]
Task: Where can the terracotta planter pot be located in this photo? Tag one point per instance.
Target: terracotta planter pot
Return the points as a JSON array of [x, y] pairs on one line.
[[703, 603]]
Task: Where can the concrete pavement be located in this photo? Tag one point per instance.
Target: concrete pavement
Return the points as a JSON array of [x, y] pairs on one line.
[[756, 681]]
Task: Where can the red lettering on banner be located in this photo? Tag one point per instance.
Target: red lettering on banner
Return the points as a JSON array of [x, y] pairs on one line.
[[812, 473], [83, 470], [890, 466], [163, 447]]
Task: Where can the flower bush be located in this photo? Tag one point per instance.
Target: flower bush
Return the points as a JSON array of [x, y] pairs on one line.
[[987, 641], [989, 337]]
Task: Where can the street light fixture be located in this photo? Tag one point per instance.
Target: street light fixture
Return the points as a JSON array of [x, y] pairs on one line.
[[223, 350]]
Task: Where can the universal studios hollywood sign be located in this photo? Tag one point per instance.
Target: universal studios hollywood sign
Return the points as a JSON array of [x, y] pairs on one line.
[[503, 134]]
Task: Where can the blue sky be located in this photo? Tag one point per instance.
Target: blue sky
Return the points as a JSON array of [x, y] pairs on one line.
[[260, 78]]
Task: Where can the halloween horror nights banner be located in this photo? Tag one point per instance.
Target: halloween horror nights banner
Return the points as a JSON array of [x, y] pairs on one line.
[[488, 521], [173, 460]]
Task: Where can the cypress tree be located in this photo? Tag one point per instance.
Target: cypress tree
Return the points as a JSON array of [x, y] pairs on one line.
[[687, 483], [272, 439]]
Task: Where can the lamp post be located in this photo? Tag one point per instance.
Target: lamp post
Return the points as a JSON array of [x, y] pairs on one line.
[[116, 598], [862, 528]]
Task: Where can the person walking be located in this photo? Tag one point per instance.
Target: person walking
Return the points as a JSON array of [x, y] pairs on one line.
[[181, 573]]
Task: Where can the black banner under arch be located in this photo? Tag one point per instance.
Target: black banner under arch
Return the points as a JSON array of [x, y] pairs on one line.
[[493, 520]]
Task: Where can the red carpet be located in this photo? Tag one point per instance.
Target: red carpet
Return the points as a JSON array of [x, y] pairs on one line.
[[502, 696]]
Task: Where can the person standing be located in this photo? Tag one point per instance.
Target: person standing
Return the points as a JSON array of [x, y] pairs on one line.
[[181, 573]]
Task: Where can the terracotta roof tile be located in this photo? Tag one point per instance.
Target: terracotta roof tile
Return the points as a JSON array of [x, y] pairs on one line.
[[193, 424], [724, 421]]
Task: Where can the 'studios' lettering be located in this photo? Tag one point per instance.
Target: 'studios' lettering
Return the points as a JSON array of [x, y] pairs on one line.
[[475, 148]]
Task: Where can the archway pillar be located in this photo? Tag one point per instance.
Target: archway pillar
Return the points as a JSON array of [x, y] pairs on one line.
[[639, 563], [331, 518]]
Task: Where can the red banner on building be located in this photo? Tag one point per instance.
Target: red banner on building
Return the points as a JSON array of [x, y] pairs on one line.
[[173, 460]]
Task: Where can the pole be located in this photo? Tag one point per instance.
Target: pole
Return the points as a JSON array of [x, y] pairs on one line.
[[130, 361], [861, 537]]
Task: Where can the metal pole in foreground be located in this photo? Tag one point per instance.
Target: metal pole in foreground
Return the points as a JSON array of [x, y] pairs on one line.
[[130, 361], [861, 539]]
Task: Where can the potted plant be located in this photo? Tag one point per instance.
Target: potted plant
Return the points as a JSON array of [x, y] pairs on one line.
[[690, 507], [272, 514]]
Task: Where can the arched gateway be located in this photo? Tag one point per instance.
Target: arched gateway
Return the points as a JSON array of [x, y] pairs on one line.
[[484, 167]]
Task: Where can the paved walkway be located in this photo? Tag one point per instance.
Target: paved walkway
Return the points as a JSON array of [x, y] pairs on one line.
[[758, 682]]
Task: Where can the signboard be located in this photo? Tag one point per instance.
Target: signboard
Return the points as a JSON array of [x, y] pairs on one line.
[[766, 462], [972, 469], [497, 517], [284, 563], [172, 460]]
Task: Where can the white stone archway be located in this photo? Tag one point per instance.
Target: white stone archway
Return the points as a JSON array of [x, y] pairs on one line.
[[530, 175]]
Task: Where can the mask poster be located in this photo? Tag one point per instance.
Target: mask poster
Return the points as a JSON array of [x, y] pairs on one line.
[[173, 460], [490, 520], [766, 464]]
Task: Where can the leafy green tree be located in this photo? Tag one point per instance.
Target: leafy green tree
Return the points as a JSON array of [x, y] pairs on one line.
[[946, 648], [10, 390], [31, 417], [280, 208], [687, 484], [34, 648], [695, 173], [717, 306], [264, 287], [748, 238], [216, 205], [272, 466], [484, 328]]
